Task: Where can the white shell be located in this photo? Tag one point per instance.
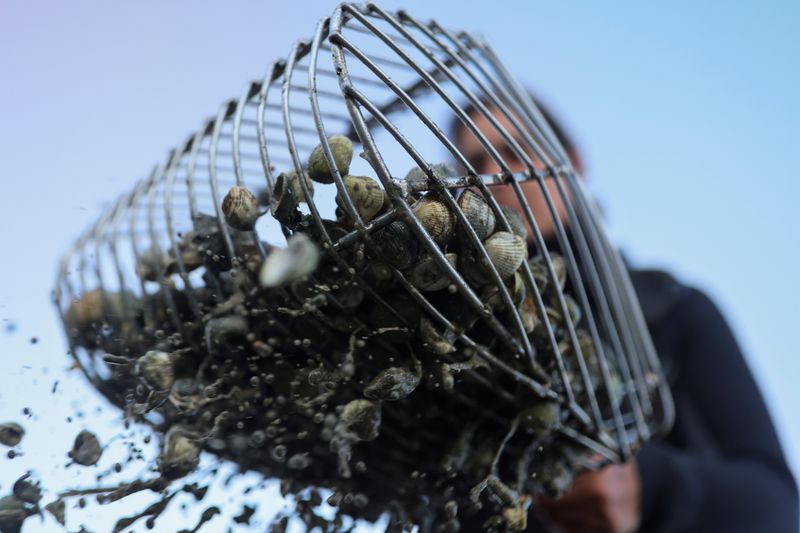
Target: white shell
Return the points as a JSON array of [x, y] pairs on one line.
[[284, 265], [507, 251]]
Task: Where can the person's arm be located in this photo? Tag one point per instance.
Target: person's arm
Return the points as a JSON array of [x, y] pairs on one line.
[[745, 485]]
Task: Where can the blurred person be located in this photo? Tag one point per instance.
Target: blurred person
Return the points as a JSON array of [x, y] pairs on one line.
[[720, 468]]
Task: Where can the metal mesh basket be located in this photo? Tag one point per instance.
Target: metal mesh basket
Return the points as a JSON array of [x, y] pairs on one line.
[[392, 84]]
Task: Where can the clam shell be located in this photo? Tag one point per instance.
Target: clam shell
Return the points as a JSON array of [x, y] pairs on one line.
[[540, 273], [396, 245], [436, 217], [427, 275], [472, 269], [293, 179], [530, 318], [541, 417], [556, 321], [362, 418], [180, 454], [490, 295], [507, 251], [477, 212], [342, 149], [366, 194], [86, 449], [560, 268], [11, 434], [152, 262], [157, 369], [283, 202], [515, 221], [432, 340], [392, 383], [518, 288], [440, 170], [240, 207], [575, 312]]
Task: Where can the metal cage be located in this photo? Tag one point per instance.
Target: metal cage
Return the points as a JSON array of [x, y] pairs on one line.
[[393, 84]]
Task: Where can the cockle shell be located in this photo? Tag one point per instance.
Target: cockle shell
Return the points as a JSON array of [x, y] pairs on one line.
[[396, 245], [427, 275], [362, 418], [530, 317], [157, 369], [434, 341], [507, 251], [293, 180], [283, 202], [515, 221], [86, 449], [11, 434], [436, 217], [517, 288], [218, 330], [366, 194], [152, 262], [342, 150], [392, 383], [240, 208], [541, 417], [180, 454], [575, 312], [555, 318], [189, 256], [477, 212], [440, 170], [541, 274]]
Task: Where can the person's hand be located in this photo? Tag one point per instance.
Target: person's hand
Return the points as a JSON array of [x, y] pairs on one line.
[[604, 501]]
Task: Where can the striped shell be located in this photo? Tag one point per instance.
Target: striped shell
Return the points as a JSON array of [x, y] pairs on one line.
[[477, 212], [507, 251], [436, 217]]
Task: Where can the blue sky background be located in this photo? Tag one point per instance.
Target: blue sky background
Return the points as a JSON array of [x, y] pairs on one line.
[[688, 113]]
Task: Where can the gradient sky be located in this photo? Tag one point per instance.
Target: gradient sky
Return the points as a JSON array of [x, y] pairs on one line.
[[687, 112]]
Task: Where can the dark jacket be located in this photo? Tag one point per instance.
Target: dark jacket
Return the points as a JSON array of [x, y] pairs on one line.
[[721, 468]]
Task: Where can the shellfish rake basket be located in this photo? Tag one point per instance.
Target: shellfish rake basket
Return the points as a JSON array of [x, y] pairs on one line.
[[565, 328]]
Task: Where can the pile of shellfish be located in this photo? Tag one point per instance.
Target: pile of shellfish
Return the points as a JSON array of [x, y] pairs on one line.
[[325, 371]]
